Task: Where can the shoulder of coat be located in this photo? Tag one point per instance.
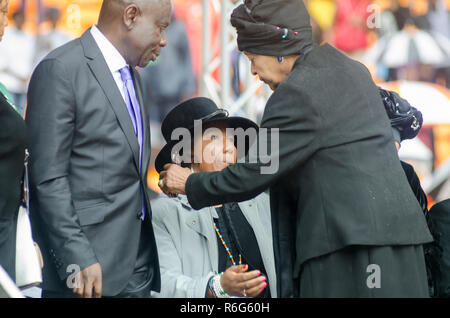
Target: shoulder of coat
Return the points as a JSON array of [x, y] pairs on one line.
[[163, 206]]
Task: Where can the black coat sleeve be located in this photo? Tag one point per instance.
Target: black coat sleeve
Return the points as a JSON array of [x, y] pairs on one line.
[[292, 129]]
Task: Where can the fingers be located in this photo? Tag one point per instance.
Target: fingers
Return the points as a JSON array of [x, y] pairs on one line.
[[89, 282], [173, 179], [98, 288], [249, 275], [167, 166], [254, 282], [239, 268], [257, 289], [236, 279], [88, 289], [78, 290]]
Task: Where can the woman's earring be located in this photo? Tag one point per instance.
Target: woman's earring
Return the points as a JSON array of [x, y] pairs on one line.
[[280, 59]]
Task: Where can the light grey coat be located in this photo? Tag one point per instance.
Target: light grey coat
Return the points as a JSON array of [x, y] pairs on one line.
[[188, 249]]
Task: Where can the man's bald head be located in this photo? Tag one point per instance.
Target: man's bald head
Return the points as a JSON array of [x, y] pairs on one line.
[[136, 27], [112, 8]]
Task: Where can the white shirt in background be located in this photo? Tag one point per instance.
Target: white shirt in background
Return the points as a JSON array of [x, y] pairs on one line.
[[17, 52]]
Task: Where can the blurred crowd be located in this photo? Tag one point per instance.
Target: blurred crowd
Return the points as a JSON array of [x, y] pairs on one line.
[[356, 26], [396, 40], [352, 26], [16, 65]]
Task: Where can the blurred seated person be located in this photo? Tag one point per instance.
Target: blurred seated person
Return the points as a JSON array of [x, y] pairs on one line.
[[234, 238]]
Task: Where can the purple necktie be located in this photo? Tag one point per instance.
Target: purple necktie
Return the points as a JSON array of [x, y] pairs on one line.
[[135, 114]]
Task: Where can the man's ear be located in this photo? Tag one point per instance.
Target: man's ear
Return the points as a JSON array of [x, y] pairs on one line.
[[130, 15]]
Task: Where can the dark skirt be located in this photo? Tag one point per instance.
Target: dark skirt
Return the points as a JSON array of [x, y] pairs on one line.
[[366, 271]]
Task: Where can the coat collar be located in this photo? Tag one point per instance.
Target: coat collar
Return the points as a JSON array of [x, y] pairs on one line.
[[201, 221]]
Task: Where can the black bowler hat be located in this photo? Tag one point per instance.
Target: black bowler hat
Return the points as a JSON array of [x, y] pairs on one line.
[[184, 116]]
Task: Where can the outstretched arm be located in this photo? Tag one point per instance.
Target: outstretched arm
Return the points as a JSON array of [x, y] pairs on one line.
[[292, 128]]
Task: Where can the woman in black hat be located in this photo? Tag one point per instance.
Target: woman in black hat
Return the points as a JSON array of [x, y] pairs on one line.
[[233, 238], [345, 221]]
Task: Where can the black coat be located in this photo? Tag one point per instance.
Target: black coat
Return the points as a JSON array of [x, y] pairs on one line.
[[339, 181], [440, 220], [12, 153]]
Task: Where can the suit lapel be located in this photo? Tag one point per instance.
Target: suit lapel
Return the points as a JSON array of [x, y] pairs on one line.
[[100, 69]]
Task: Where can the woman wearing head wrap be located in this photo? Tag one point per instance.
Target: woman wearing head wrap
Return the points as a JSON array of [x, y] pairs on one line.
[[345, 222]]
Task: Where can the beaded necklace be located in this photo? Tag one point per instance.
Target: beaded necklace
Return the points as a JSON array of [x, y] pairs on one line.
[[226, 247]]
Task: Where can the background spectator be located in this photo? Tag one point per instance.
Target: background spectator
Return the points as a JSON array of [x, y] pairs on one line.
[[52, 39], [351, 27]]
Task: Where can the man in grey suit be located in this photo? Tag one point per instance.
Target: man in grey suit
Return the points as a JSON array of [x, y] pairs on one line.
[[90, 151]]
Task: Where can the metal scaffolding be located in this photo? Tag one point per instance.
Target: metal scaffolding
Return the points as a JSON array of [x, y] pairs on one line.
[[220, 91]]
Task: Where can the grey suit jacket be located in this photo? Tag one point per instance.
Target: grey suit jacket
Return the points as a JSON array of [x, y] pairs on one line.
[[188, 248], [86, 183]]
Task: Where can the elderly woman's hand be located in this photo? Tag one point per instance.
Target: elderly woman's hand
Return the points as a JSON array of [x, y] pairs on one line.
[[236, 281], [172, 179]]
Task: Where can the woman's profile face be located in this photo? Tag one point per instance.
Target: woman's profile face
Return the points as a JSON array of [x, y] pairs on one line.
[[217, 151], [267, 68], [3, 18]]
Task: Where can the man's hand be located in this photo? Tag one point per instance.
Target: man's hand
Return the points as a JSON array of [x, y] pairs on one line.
[[172, 179], [90, 282], [236, 282]]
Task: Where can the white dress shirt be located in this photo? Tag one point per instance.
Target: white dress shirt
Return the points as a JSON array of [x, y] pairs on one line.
[[112, 56]]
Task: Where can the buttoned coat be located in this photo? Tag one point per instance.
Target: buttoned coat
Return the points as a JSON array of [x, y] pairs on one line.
[[339, 181], [188, 248]]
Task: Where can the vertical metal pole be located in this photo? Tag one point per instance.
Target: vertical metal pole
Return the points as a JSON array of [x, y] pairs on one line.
[[205, 48], [225, 63]]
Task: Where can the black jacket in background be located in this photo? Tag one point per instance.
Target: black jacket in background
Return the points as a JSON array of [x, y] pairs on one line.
[[440, 220], [12, 154], [432, 250]]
